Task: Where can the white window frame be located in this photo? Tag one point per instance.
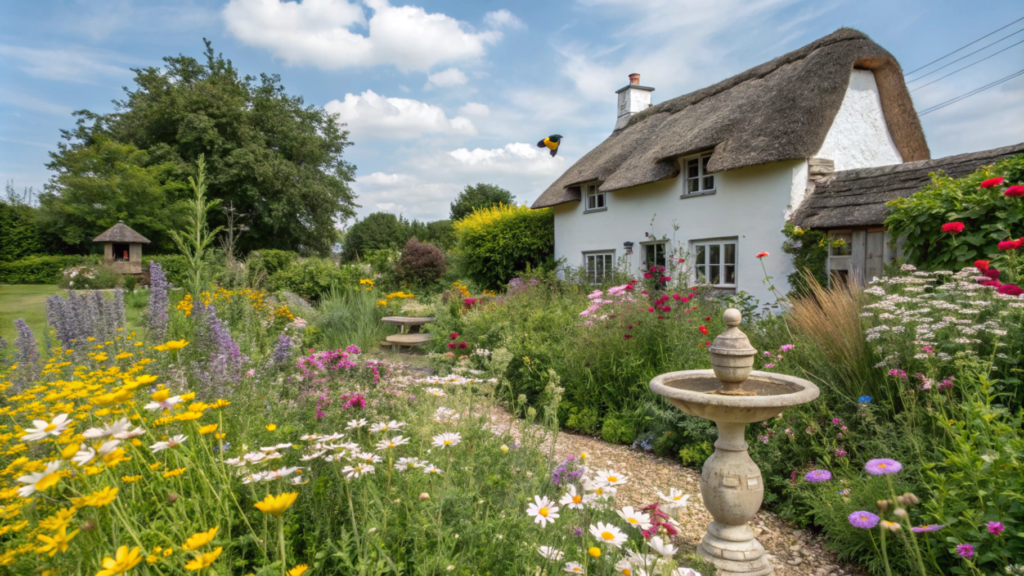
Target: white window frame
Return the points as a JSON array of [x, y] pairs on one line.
[[607, 263], [600, 199], [703, 267], [701, 178], [664, 254]]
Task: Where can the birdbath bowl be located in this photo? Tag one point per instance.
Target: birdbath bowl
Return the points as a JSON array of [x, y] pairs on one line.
[[732, 395]]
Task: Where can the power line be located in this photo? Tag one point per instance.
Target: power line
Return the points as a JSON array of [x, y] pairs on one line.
[[964, 46], [969, 65], [948, 64], [971, 93]]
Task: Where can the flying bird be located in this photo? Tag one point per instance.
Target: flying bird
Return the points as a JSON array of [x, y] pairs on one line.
[[551, 143]]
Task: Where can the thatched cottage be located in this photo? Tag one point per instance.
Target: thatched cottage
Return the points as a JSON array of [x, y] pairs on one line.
[[720, 170]]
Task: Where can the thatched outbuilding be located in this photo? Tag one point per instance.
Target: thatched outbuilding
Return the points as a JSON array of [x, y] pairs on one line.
[[122, 248]]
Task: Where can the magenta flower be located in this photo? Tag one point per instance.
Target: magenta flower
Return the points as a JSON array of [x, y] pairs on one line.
[[786, 347], [880, 466], [928, 528], [818, 476], [863, 519], [996, 528], [965, 550]]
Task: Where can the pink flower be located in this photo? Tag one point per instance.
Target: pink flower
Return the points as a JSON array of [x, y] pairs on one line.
[[1010, 290], [761, 255], [451, 345], [996, 528], [786, 347], [992, 182], [453, 336], [463, 345], [1010, 244], [1014, 191]]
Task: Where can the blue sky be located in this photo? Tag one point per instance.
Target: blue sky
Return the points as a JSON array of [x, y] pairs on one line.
[[440, 94]]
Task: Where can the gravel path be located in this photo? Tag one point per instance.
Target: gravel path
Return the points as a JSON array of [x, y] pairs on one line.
[[792, 552]]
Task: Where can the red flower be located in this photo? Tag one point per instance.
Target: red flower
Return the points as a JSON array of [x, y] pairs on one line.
[[1010, 290], [995, 283], [627, 336], [992, 273], [451, 345], [708, 344], [681, 260], [650, 309], [991, 182], [463, 345], [629, 287], [454, 336], [761, 255], [981, 265], [677, 297], [703, 329], [1014, 191], [1010, 244], [707, 318], [666, 308], [953, 227]]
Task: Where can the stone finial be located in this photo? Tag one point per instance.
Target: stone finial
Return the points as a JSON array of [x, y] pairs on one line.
[[732, 356]]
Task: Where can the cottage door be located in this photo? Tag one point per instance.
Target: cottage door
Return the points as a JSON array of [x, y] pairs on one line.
[[874, 255]]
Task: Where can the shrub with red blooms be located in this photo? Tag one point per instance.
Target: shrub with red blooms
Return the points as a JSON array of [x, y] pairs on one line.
[[1010, 290], [992, 273], [1011, 244], [981, 265], [1015, 191], [420, 263], [953, 227], [992, 182]]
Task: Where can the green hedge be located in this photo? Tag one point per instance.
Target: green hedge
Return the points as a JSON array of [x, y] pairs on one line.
[[174, 266], [313, 277], [40, 269]]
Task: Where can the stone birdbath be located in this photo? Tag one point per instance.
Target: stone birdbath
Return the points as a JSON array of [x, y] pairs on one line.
[[732, 395]]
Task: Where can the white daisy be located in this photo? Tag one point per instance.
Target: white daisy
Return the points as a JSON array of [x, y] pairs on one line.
[[549, 553], [129, 433], [395, 442], [108, 447], [39, 480], [384, 427], [163, 404], [666, 549], [543, 510], [600, 489], [368, 457], [236, 461], [254, 457], [685, 572], [573, 568], [445, 415], [309, 437], [121, 425], [333, 437], [169, 443], [356, 424], [429, 468], [608, 534], [357, 470], [643, 560], [43, 428], [612, 477], [636, 518], [83, 456], [274, 456], [435, 392], [675, 499], [252, 478], [447, 439], [312, 456], [572, 499], [269, 449], [281, 472], [408, 464], [299, 481], [624, 567]]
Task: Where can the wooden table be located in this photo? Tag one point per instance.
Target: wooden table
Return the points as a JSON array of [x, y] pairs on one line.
[[409, 334]]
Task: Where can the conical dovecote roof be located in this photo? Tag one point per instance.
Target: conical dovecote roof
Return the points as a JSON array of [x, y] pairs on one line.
[[121, 233]]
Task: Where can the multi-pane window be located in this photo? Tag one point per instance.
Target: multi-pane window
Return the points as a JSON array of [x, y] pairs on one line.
[[594, 199], [715, 263], [698, 180], [654, 255], [841, 243], [599, 266]]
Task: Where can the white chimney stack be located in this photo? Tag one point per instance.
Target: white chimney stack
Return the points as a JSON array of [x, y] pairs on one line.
[[633, 98]]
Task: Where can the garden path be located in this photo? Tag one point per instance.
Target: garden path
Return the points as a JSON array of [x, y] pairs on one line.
[[792, 552]]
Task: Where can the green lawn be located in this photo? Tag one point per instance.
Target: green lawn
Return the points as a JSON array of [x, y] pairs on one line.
[[26, 301]]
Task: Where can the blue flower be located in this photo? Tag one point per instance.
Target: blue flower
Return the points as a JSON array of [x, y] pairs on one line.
[[864, 399]]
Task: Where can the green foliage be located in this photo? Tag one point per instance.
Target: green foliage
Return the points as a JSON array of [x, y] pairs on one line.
[[271, 261], [810, 255], [378, 231], [312, 278], [495, 244], [583, 419], [989, 217], [420, 264], [269, 154], [174, 265], [618, 429], [194, 240], [346, 317], [20, 233], [40, 269], [695, 454], [87, 277], [479, 197]]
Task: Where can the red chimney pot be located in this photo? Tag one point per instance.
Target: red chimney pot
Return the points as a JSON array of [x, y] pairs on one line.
[[634, 78]]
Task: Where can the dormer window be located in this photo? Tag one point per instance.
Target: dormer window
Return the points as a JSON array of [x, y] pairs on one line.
[[698, 179], [594, 201]]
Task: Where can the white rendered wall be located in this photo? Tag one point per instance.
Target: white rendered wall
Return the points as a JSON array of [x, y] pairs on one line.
[[859, 137], [750, 205]]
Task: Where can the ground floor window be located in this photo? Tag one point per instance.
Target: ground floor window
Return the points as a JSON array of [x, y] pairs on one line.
[[654, 255], [599, 266], [715, 262]]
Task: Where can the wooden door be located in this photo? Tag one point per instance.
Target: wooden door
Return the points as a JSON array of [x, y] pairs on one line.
[[874, 255]]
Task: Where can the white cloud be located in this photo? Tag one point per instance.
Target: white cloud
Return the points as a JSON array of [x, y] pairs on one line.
[[372, 116], [446, 79], [22, 100], [514, 158], [503, 19], [319, 32], [405, 194], [69, 65], [474, 109]]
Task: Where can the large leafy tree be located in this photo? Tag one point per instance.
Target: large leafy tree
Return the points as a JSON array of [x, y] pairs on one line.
[[377, 231], [480, 196], [270, 156]]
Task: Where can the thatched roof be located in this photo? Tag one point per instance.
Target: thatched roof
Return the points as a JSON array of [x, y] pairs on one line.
[[780, 110], [121, 234], [857, 197]]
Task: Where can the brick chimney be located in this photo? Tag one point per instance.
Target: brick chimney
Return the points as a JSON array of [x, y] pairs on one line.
[[633, 98]]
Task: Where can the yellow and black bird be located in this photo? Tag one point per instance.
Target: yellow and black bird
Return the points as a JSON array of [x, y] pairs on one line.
[[551, 143]]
